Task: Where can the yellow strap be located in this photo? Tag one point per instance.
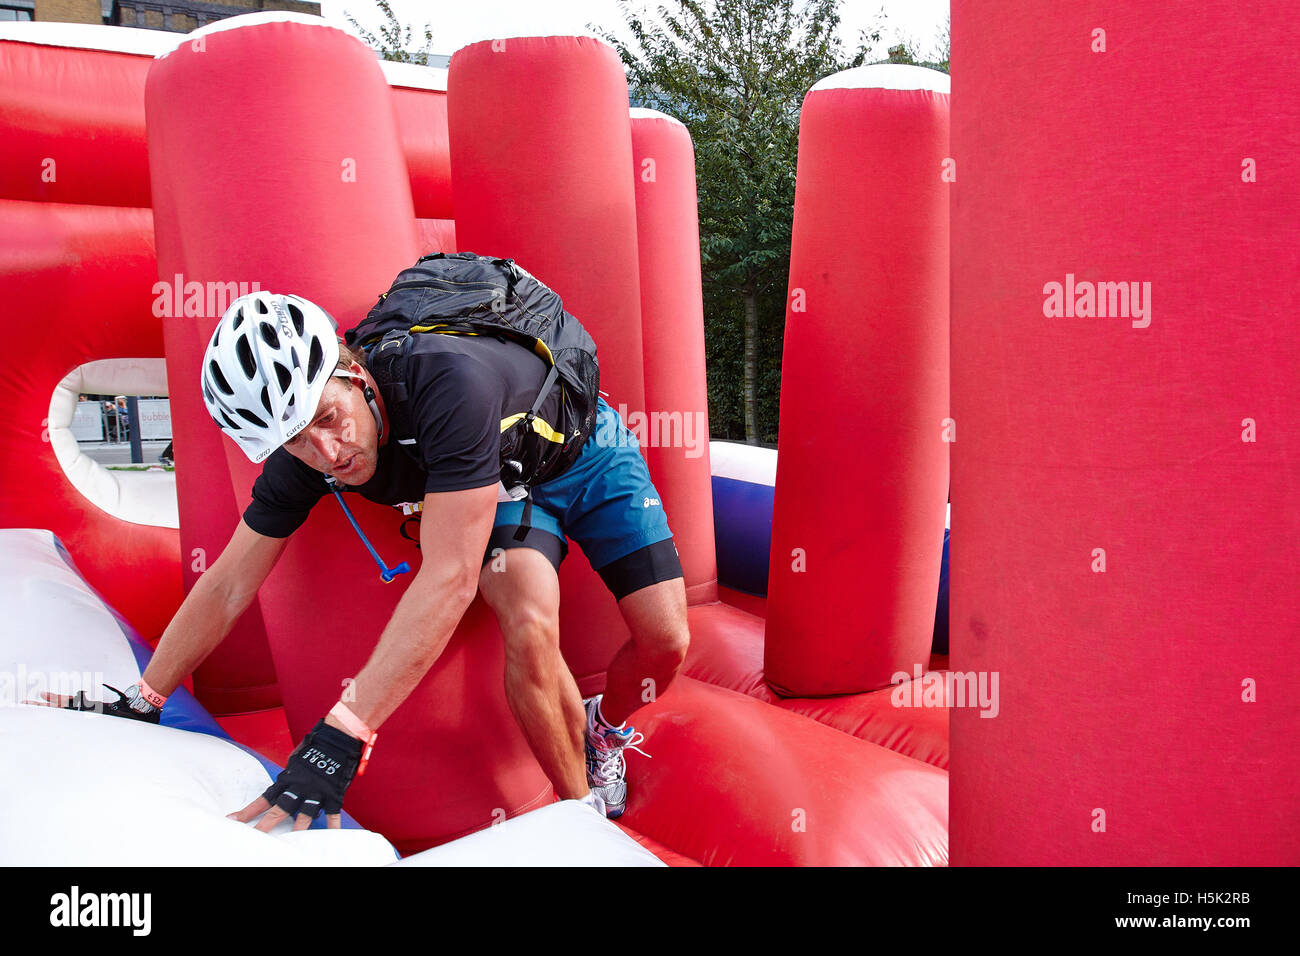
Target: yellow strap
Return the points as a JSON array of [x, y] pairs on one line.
[[539, 426], [441, 330]]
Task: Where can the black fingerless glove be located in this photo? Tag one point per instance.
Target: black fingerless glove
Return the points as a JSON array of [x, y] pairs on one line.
[[135, 708], [318, 773]]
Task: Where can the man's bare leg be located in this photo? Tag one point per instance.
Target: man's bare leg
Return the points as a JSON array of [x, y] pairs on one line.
[[645, 666], [541, 692]]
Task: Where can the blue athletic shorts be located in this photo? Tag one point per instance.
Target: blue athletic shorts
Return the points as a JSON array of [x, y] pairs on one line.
[[607, 503]]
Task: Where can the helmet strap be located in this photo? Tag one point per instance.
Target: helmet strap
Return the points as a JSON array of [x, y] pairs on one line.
[[369, 394]]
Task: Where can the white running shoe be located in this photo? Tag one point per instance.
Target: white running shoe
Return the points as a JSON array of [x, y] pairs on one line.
[[606, 772]]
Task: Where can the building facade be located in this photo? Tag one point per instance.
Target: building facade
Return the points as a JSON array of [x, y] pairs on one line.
[[177, 16]]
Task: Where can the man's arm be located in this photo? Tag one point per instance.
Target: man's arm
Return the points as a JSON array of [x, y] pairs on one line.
[[454, 531], [221, 594]]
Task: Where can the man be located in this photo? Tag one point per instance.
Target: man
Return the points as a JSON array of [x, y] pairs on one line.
[[278, 381]]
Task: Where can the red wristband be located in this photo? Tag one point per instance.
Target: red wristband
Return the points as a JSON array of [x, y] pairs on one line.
[[358, 728]]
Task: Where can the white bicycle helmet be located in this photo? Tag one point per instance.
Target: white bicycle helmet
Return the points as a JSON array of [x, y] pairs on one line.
[[265, 368]]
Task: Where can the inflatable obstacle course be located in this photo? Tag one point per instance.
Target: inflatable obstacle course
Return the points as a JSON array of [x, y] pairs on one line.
[[740, 773]]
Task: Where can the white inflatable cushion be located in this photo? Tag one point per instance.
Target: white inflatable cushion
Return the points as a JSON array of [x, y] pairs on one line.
[[82, 789], [87, 790], [568, 833]]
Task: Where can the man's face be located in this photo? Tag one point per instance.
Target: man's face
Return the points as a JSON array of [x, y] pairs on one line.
[[342, 440]]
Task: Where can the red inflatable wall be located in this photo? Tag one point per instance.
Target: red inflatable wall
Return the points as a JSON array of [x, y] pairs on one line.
[[422, 125], [76, 282], [72, 125], [862, 478], [676, 420], [84, 110], [435, 235], [1125, 483]]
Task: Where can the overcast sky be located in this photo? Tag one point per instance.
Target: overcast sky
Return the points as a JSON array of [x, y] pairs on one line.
[[457, 23]]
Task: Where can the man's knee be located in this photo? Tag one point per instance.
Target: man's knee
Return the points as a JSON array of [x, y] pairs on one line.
[[532, 637], [665, 644]]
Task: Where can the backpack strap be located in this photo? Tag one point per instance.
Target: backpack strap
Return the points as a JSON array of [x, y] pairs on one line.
[[387, 364], [547, 384], [526, 522]]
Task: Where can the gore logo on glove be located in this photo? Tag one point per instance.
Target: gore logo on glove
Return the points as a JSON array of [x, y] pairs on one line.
[[322, 761], [318, 773]]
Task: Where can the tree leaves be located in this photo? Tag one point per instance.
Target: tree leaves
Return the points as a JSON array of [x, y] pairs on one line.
[[395, 41], [736, 72]]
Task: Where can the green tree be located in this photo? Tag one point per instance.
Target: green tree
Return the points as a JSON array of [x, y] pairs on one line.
[[736, 72], [900, 54], [395, 40], [936, 59]]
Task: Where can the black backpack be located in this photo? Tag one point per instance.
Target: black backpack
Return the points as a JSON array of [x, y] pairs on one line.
[[466, 294]]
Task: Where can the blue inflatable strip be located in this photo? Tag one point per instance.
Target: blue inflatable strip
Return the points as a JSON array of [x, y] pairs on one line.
[[742, 528], [940, 645], [183, 711]]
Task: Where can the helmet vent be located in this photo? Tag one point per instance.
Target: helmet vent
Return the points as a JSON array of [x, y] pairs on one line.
[[260, 306], [314, 359], [245, 353], [215, 370], [239, 320], [269, 336], [229, 421], [266, 400], [299, 320], [284, 377], [250, 417]]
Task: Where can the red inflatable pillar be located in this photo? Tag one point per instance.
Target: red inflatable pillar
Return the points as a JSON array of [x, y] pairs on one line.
[[540, 153], [250, 187], [862, 478], [674, 429], [291, 173], [1124, 479]]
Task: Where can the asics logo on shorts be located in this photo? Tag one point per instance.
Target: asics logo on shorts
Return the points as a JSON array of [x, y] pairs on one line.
[[650, 503]]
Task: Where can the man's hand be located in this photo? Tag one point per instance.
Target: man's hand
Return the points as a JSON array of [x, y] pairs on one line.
[[315, 779], [129, 704]]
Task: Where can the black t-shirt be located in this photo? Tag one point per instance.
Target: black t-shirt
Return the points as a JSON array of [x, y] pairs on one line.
[[459, 388]]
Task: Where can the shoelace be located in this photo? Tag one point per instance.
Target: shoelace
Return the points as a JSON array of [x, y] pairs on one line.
[[610, 765]]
